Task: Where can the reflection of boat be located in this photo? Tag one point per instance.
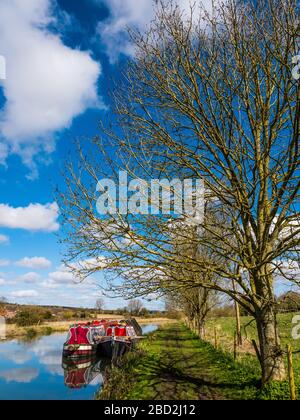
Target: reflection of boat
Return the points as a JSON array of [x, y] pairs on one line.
[[78, 374], [108, 338]]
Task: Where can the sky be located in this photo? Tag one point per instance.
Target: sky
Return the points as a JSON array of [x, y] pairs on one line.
[[59, 57]]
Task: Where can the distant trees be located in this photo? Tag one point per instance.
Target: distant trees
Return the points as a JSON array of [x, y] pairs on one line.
[[289, 302], [32, 316], [135, 307], [100, 304]]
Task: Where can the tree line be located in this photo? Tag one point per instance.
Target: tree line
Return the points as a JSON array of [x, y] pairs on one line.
[[209, 95]]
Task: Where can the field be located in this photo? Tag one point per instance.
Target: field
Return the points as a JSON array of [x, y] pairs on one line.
[[175, 364], [225, 331]]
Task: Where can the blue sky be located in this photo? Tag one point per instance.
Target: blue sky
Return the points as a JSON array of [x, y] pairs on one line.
[[59, 56]]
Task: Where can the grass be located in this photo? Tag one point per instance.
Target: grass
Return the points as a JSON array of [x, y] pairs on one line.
[[226, 329], [174, 364]]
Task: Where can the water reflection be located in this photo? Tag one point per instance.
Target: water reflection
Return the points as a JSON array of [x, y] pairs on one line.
[[21, 375], [81, 373], [34, 370]]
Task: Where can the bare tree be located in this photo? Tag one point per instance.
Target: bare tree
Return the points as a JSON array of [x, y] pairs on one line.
[[100, 304], [211, 98], [135, 307]]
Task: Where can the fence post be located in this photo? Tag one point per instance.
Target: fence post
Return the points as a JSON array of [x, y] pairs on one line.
[[216, 337], [235, 345], [291, 373]]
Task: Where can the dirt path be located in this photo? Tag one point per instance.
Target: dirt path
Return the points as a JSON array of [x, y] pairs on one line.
[[173, 364], [179, 366], [181, 373]]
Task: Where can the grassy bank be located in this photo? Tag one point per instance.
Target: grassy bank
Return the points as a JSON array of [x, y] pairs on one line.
[[174, 364], [225, 331], [14, 331]]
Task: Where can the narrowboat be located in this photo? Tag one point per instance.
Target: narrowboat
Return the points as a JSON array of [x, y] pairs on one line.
[[103, 338]]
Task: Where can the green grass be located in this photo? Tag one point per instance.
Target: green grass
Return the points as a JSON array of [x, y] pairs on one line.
[[173, 364], [226, 329]]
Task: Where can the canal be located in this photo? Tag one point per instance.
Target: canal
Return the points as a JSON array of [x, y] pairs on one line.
[[34, 370]]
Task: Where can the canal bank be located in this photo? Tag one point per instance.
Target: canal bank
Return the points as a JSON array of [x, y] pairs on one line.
[[46, 328], [173, 364]]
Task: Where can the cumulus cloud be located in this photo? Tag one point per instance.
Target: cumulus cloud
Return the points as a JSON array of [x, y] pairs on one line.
[[31, 277], [35, 217], [2, 282], [35, 263], [4, 263], [123, 13], [47, 84], [24, 294], [126, 14], [4, 239], [62, 275]]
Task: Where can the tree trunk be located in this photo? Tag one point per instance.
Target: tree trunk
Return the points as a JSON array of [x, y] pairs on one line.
[[238, 318], [271, 354], [201, 328]]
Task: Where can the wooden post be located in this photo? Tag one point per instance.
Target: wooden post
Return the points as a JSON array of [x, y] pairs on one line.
[[238, 318], [291, 373], [235, 345], [216, 337]]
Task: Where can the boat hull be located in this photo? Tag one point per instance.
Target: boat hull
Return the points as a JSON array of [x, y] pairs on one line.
[[115, 347], [79, 351]]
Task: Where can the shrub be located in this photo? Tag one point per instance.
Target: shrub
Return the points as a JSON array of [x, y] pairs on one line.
[[27, 317], [47, 331], [69, 315], [47, 315], [31, 333]]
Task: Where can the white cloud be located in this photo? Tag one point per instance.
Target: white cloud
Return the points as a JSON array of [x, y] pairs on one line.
[[24, 294], [4, 263], [48, 84], [35, 263], [35, 217], [2, 282], [22, 375], [62, 275], [132, 14], [49, 284], [4, 239], [31, 277], [123, 13]]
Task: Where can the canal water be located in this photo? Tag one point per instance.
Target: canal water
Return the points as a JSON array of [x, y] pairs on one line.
[[34, 370]]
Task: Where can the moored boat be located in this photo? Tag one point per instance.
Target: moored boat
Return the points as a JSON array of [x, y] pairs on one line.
[[106, 338]]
